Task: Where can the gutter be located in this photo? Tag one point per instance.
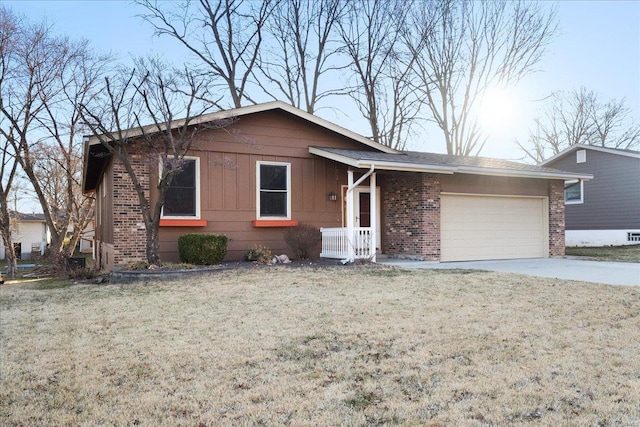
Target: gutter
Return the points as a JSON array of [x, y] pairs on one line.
[[522, 174]]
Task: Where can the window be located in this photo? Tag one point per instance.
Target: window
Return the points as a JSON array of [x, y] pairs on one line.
[[183, 196], [573, 191], [273, 190], [581, 156]]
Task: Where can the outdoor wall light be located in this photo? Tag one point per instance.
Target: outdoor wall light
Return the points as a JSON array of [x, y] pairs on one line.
[[333, 197]]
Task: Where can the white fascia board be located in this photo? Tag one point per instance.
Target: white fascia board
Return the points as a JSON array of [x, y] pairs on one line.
[[523, 174]]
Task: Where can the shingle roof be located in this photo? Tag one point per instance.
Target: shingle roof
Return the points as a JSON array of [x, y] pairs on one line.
[[444, 162], [19, 216]]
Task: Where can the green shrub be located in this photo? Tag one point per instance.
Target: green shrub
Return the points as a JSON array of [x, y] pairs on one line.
[[202, 249], [304, 241], [260, 254]]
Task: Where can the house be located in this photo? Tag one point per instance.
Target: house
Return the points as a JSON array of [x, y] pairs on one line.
[[368, 199], [605, 210], [30, 235]]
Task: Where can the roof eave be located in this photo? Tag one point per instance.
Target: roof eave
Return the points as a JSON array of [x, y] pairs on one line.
[[575, 147]]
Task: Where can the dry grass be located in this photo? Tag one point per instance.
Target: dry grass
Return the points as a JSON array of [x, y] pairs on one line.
[[627, 253], [357, 346]]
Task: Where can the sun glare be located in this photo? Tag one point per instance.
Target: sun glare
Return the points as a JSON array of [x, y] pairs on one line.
[[498, 110]]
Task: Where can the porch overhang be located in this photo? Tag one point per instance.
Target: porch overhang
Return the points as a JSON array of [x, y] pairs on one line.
[[380, 164], [442, 164]]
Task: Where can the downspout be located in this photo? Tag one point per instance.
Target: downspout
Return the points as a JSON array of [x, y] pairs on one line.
[[351, 256]]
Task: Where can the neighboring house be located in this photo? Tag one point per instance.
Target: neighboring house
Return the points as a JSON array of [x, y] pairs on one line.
[[30, 235], [278, 166], [605, 210]]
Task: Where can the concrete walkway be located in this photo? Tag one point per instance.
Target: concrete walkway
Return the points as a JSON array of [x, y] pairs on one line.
[[611, 273]]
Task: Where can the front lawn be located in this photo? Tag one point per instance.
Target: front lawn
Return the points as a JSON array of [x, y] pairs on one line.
[[627, 253], [339, 346]]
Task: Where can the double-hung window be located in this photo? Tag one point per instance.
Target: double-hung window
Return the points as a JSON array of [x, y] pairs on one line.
[[273, 184], [573, 191], [182, 199]]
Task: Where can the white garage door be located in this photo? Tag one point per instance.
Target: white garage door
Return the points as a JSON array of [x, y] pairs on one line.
[[493, 227]]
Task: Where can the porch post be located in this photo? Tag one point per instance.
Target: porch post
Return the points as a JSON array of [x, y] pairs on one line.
[[374, 215], [351, 255]]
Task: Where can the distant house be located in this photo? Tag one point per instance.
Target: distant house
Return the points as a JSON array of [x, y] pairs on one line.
[[368, 199], [605, 210], [30, 235]]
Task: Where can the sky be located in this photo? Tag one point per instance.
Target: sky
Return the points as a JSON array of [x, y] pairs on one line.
[[598, 47]]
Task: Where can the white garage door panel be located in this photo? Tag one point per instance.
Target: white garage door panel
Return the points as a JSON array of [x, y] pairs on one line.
[[492, 227]]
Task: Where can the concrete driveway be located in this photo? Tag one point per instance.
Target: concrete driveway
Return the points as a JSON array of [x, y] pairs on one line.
[[611, 273]]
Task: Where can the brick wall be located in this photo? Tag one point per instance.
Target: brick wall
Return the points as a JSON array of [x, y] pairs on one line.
[[556, 218], [411, 210], [129, 235]]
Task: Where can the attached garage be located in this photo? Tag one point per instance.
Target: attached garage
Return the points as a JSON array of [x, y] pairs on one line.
[[481, 227]]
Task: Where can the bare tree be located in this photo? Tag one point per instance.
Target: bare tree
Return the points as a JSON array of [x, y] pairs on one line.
[[475, 45], [150, 93], [381, 71], [48, 76], [8, 167], [224, 35], [303, 53], [58, 170], [580, 117]]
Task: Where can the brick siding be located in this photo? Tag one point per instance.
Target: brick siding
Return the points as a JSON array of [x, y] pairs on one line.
[[556, 218], [128, 226], [411, 210]]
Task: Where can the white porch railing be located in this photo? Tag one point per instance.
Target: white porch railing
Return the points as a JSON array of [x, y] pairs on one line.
[[335, 243]]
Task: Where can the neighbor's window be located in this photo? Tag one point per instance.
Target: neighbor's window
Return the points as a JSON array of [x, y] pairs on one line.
[[573, 191], [274, 190], [183, 196]]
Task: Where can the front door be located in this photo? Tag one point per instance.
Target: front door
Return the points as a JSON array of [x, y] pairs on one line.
[[362, 197]]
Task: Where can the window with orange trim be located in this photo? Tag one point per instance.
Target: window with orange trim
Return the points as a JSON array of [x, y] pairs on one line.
[[182, 200], [273, 186]]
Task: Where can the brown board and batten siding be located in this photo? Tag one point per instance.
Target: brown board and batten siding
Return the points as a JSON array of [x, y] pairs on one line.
[[104, 249], [611, 200], [228, 161]]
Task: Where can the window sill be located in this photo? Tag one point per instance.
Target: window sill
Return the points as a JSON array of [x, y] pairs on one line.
[[275, 223], [183, 222]]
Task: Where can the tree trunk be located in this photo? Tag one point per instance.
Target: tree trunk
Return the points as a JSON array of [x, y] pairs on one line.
[[153, 246], [10, 256]]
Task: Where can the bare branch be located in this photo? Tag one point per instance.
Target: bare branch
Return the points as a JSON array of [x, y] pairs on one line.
[[473, 46], [579, 117]]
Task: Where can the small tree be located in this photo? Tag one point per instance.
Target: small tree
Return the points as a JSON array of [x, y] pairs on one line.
[[151, 93], [303, 240]]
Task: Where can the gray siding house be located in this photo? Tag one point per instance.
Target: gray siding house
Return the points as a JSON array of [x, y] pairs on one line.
[[605, 210]]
